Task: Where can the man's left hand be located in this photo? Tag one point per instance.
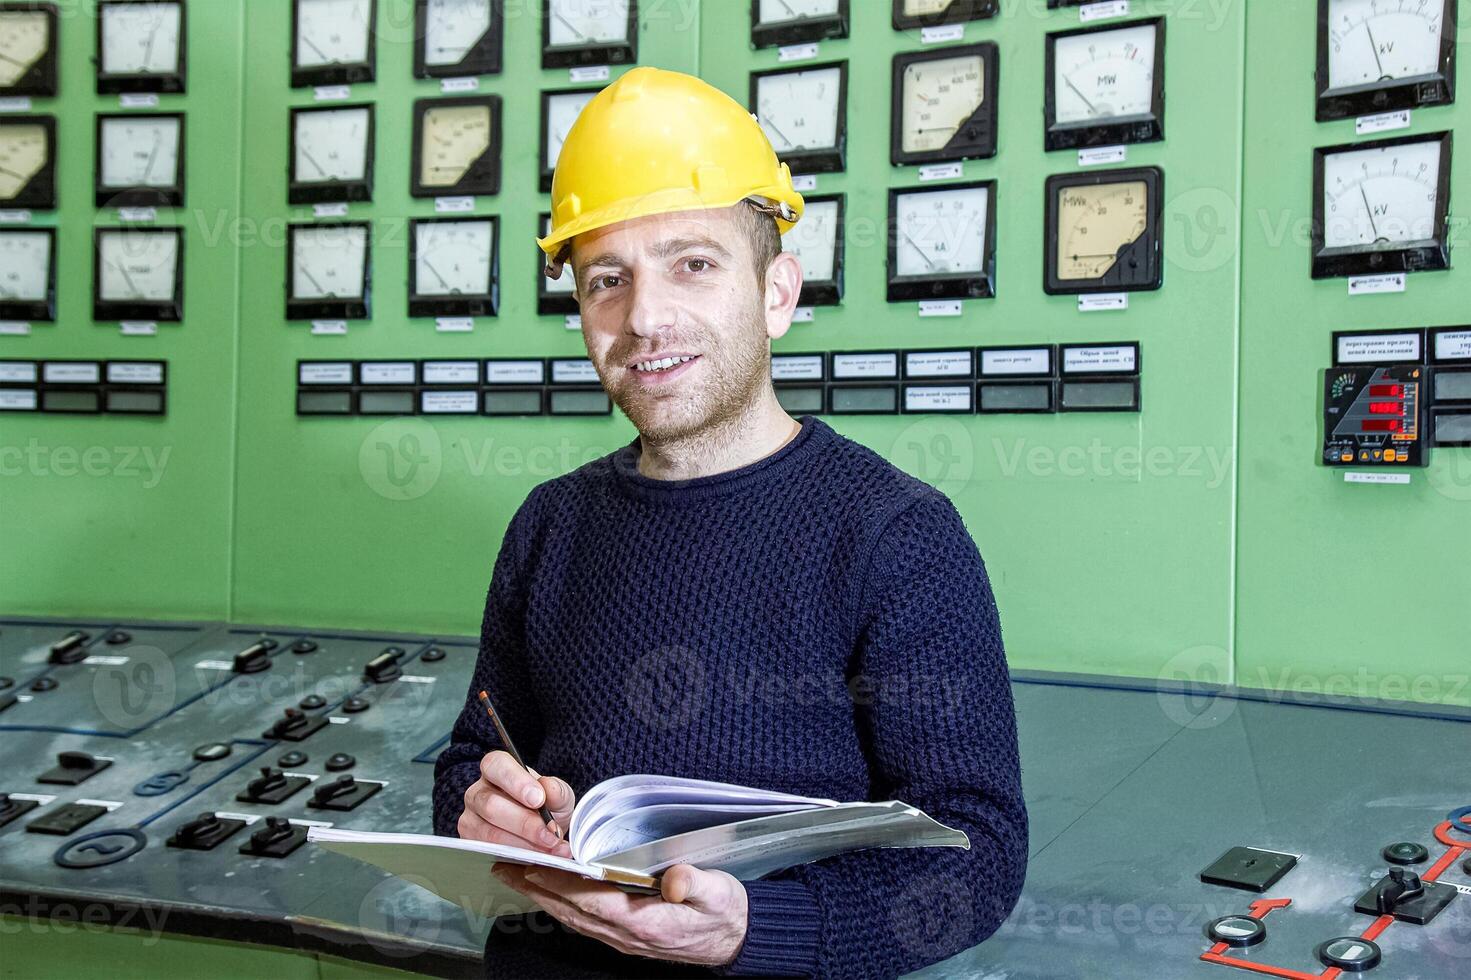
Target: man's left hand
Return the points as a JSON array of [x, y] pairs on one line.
[[700, 917]]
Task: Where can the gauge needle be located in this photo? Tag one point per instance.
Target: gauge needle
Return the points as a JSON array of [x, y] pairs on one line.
[[920, 251], [137, 293], [1080, 95], [308, 273], [580, 36], [11, 173], [1367, 208], [430, 266], [1375, 45], [777, 131], [152, 157], [318, 50], [311, 160], [8, 58], [789, 9]]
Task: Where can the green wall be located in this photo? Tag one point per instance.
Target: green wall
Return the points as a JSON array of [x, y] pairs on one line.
[[1142, 545]]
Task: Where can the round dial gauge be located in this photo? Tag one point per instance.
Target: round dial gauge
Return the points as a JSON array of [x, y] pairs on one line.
[[23, 154], [799, 110], [566, 285], [140, 38], [1102, 75], [25, 265], [1377, 40], [814, 240], [332, 32], [562, 112], [575, 22], [452, 28], [140, 151], [1381, 197], [453, 258], [137, 265], [939, 96], [327, 262], [777, 11], [1094, 221], [941, 233], [454, 137], [332, 144], [25, 37]]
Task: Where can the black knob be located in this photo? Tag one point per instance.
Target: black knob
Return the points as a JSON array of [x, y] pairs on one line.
[[270, 779], [76, 760], [290, 722], [1401, 887], [338, 787], [202, 827], [276, 829], [70, 649], [252, 659], [384, 667]]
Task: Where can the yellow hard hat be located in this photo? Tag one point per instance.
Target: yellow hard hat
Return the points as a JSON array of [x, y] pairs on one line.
[[658, 141]]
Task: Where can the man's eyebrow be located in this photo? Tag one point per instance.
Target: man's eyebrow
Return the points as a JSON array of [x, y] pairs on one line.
[[664, 249]]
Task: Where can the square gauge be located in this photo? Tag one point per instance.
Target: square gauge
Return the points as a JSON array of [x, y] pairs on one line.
[[328, 271], [28, 274], [331, 154], [588, 32], [457, 147], [453, 267], [909, 15], [782, 22], [140, 160], [557, 296], [1376, 57], [28, 162], [804, 112], [458, 38], [138, 273], [333, 42], [1104, 231], [944, 104], [141, 46], [1105, 85], [1382, 206], [28, 49], [817, 241], [559, 110], [942, 242]]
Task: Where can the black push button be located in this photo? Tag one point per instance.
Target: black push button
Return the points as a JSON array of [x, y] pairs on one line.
[[6, 682], [293, 726], [1237, 931], [212, 752], [73, 768], [292, 759], [432, 654], [1350, 954], [353, 705], [271, 786], [205, 832], [119, 637], [304, 646], [10, 808], [41, 684], [338, 761], [1405, 852], [312, 702], [70, 649], [384, 667], [278, 838], [253, 659], [343, 793], [67, 819]]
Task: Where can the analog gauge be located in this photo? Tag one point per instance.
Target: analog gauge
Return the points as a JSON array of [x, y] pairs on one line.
[[1103, 231], [27, 49], [588, 32], [140, 161], [804, 112], [28, 274], [1377, 55], [776, 22], [559, 110], [459, 37], [942, 242], [138, 274], [817, 241], [327, 271], [331, 154], [944, 105], [333, 42], [1105, 85], [911, 14], [28, 162], [1381, 206], [457, 147], [140, 46], [452, 267], [556, 296]]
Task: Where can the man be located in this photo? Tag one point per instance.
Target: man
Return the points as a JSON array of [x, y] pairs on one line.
[[735, 595]]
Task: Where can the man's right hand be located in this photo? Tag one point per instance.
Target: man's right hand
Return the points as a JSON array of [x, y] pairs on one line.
[[501, 807]]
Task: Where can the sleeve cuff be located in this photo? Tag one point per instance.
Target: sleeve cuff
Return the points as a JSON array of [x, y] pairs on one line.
[[783, 927]]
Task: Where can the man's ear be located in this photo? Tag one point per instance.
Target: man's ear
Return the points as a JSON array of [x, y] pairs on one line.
[[783, 289]]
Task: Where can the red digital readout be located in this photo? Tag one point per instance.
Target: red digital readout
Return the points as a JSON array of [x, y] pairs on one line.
[[1386, 408], [1380, 425], [1387, 391]]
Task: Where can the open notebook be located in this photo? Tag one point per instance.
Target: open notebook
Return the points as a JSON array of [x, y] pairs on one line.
[[628, 829]]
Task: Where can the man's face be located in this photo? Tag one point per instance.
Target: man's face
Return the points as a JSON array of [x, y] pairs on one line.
[[679, 286]]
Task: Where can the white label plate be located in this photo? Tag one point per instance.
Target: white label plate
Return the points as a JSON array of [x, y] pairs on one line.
[[1093, 302], [1382, 122], [1392, 282], [1095, 155], [881, 365], [1383, 478], [574, 371], [528, 372], [1103, 10], [18, 372], [1099, 360], [451, 372], [1454, 345], [796, 367], [388, 372], [1397, 348], [796, 52], [1033, 360], [135, 372], [457, 402], [922, 398], [324, 373], [940, 307], [81, 372], [589, 73], [942, 34], [17, 399], [937, 364]]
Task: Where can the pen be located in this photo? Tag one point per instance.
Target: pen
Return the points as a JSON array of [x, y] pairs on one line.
[[546, 815]]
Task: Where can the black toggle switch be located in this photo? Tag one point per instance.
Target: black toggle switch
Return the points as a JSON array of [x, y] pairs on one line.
[[343, 793], [66, 820], [73, 768], [205, 832], [1404, 895], [278, 838], [293, 725], [384, 667], [271, 786], [253, 659], [70, 649], [10, 808], [1403, 886]]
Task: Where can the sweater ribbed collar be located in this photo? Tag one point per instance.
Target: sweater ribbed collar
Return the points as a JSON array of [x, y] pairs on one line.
[[772, 467]]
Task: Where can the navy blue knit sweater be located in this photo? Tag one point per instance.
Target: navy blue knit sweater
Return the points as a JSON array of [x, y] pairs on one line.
[[815, 622]]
